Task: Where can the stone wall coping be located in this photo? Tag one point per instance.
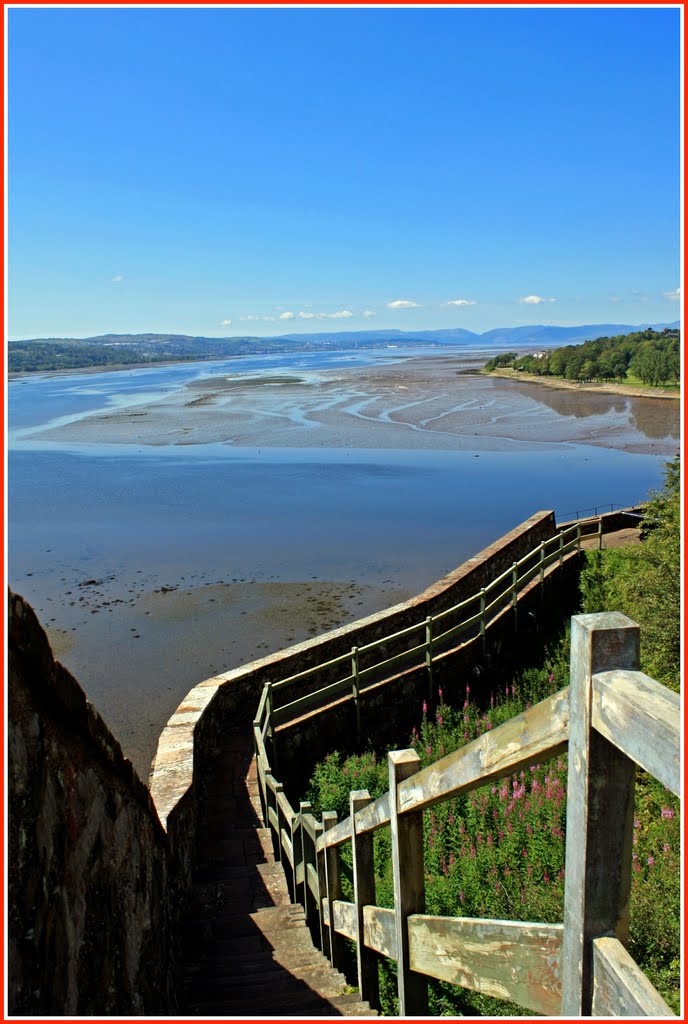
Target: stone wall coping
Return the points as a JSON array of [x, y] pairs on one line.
[[171, 775]]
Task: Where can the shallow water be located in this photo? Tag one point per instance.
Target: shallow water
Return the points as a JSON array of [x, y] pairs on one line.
[[100, 529]]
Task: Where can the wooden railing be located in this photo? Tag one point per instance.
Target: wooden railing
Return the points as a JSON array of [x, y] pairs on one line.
[[419, 645], [611, 718]]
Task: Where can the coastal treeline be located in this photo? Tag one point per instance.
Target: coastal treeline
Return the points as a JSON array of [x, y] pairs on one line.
[[652, 357]]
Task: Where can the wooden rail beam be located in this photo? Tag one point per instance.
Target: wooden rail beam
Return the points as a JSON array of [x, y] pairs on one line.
[[643, 718], [513, 960], [620, 987]]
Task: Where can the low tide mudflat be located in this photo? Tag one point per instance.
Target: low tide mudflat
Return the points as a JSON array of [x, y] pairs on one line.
[[169, 524]]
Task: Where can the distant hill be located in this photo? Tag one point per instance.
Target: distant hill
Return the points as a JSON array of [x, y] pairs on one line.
[[42, 354], [547, 336]]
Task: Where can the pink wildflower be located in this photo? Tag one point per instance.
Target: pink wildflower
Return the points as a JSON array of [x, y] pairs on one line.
[[667, 812], [651, 861]]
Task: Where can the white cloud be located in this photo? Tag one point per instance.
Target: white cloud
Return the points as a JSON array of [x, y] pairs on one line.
[[341, 314], [674, 296], [460, 302], [368, 313], [225, 323], [403, 304], [287, 315], [117, 278], [534, 300]]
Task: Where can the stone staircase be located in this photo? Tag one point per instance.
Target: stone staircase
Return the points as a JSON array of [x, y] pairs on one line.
[[247, 949]]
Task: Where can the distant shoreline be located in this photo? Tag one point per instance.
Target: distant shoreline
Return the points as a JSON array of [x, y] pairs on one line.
[[629, 390]]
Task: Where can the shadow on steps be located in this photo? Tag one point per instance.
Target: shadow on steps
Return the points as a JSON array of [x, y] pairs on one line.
[[247, 950]]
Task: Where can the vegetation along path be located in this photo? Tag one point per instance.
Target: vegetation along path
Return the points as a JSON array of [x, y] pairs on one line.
[[247, 950]]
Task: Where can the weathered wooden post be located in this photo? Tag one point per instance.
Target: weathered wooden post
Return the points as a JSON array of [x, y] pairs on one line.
[[355, 690], [270, 729], [271, 809], [364, 894], [428, 657], [307, 859], [599, 824], [322, 889], [482, 619], [279, 788], [333, 881], [514, 592], [409, 882], [295, 836]]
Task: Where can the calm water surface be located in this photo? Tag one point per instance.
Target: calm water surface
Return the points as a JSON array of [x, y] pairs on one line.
[[208, 512]]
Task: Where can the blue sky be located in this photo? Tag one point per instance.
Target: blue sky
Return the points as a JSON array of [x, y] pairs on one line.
[[236, 171]]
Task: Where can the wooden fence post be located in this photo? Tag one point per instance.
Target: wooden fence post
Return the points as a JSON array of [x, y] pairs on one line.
[[279, 788], [355, 689], [300, 857], [428, 657], [482, 619], [270, 729], [322, 889], [514, 592], [409, 882], [364, 894], [271, 810], [333, 881], [599, 823]]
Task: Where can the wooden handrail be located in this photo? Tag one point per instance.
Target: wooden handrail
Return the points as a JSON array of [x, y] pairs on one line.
[[554, 969], [374, 673]]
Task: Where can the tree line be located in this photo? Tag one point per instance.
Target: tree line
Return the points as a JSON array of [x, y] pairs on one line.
[[652, 357]]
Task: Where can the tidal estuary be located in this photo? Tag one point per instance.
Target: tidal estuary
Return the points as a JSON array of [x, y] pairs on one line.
[[169, 523]]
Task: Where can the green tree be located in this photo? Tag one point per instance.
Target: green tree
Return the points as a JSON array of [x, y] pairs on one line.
[[644, 582]]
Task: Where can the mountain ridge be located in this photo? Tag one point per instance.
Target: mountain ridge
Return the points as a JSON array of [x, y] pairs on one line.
[[546, 334]]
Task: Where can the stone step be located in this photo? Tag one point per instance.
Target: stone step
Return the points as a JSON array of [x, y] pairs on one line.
[[247, 949]]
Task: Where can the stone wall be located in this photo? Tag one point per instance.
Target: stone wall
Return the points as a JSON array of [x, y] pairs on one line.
[[93, 889], [195, 732]]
